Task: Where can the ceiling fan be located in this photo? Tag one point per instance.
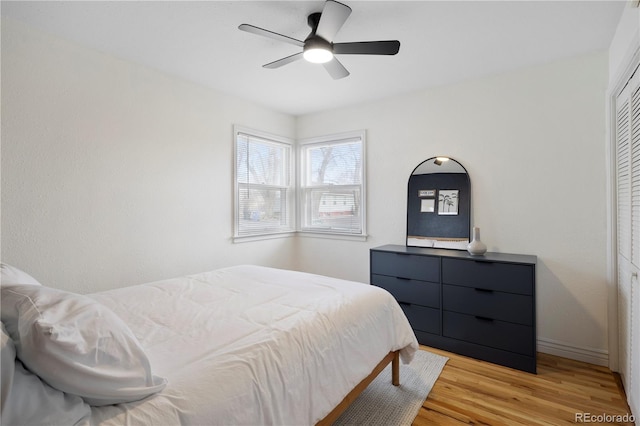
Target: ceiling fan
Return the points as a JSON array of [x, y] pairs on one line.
[[318, 47]]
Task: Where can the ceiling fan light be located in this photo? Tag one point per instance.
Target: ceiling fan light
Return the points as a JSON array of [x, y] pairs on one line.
[[317, 55], [317, 50]]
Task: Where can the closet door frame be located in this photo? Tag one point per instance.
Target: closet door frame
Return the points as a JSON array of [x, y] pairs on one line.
[[630, 63]]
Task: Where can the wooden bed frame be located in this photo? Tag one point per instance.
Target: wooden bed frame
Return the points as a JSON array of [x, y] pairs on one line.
[[391, 357]]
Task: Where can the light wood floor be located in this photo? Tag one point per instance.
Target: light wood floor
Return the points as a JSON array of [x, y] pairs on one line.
[[475, 392]]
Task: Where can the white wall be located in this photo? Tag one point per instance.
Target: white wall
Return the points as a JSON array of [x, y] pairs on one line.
[[533, 144], [114, 174], [625, 42]]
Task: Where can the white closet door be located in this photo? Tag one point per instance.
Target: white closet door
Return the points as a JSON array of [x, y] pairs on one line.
[[632, 274], [630, 161], [623, 139], [628, 236]]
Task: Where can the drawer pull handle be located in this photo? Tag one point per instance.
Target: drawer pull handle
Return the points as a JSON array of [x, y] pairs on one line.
[[483, 290], [404, 303], [403, 278], [478, 317]]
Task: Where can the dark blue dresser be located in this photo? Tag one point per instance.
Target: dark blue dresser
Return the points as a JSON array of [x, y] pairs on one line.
[[479, 306]]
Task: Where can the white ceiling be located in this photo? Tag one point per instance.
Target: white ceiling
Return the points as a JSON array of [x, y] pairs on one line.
[[442, 42]]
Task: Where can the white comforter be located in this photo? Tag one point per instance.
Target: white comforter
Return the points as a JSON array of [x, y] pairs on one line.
[[249, 345]]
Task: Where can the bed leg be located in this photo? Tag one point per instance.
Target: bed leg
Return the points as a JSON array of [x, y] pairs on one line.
[[395, 369]]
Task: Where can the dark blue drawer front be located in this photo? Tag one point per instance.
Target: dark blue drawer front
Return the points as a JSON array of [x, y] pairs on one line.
[[424, 268], [507, 277], [517, 308], [493, 333], [422, 318], [410, 291]]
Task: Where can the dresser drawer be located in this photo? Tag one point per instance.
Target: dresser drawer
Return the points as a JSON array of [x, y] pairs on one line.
[[507, 277], [424, 268], [510, 307], [422, 318], [410, 291], [493, 333]]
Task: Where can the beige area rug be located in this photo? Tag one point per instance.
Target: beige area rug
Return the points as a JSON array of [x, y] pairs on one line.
[[383, 404]]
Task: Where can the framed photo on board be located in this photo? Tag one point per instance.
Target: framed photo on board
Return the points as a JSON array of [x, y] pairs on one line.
[[448, 202]]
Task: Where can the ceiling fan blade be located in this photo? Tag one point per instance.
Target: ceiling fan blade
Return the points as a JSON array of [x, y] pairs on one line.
[[270, 34], [283, 61], [336, 69], [386, 47], [333, 16]]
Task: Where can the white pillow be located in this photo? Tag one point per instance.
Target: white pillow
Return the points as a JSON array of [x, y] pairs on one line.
[[77, 345], [26, 400], [13, 275]]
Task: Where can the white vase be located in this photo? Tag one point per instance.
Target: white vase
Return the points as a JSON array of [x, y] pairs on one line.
[[476, 247]]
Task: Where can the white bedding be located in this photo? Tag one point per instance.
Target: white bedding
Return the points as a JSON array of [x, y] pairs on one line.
[[249, 345]]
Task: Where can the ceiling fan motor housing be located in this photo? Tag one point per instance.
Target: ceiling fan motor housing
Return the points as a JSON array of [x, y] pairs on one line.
[[317, 42], [314, 41]]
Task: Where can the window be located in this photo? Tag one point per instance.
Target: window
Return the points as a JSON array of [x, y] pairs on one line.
[[332, 193], [264, 186]]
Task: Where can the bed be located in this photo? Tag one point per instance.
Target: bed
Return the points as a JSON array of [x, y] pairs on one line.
[[244, 345]]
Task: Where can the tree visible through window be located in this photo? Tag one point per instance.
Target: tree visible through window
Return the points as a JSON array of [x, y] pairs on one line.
[[264, 192], [332, 185], [330, 195]]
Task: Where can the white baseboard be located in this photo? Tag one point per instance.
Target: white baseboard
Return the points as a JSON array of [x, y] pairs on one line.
[[590, 355]]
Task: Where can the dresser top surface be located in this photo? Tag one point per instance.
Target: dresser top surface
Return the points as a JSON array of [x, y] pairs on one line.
[[459, 254]]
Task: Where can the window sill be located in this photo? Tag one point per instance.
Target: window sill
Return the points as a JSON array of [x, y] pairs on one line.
[[333, 236], [306, 234], [248, 238]]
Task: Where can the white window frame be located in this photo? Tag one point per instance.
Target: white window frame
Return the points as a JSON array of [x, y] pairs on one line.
[[302, 185], [265, 233]]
